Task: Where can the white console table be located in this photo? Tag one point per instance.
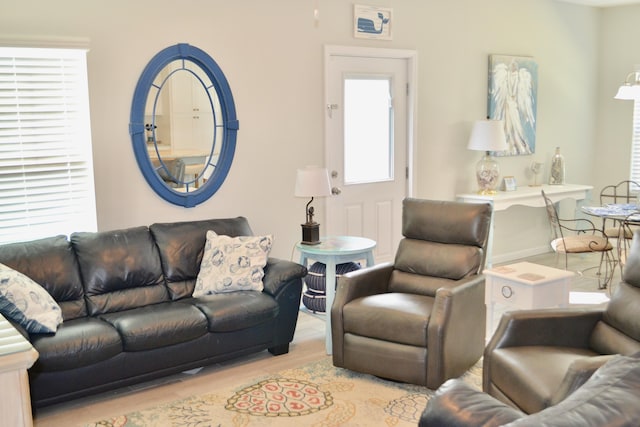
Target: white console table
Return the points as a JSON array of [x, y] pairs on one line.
[[525, 196], [16, 356]]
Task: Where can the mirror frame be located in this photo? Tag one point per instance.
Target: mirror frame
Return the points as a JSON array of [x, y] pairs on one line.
[[183, 51]]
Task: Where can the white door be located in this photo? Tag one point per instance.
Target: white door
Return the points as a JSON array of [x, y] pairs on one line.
[[366, 147]]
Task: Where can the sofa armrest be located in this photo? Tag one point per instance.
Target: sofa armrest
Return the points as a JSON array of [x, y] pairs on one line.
[[457, 404], [458, 311], [283, 280], [278, 272]]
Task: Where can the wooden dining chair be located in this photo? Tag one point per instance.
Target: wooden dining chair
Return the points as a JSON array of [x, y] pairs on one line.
[[580, 235]]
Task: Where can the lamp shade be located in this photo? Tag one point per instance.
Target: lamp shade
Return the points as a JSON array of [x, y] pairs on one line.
[[488, 135], [312, 181], [630, 90]]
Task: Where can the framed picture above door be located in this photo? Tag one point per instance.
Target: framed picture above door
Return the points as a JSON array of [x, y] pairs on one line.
[[371, 22]]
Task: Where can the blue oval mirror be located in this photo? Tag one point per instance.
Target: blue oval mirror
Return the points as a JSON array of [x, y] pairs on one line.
[[183, 125]]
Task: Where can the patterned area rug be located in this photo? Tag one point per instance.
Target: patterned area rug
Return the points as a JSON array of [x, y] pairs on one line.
[[317, 394]]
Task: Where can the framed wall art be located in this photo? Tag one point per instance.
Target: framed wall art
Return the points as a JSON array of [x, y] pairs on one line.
[[512, 98], [371, 22], [509, 183]]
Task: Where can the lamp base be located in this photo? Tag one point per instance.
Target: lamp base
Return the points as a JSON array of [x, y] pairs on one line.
[[310, 233], [487, 174]]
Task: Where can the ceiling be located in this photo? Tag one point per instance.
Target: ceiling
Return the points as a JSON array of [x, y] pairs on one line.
[[603, 3]]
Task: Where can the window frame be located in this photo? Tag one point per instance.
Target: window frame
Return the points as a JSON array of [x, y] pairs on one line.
[[46, 161]]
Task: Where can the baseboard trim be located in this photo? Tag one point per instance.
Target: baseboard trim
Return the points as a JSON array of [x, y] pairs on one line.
[[511, 256]]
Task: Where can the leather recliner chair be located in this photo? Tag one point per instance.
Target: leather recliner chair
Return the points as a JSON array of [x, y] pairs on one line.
[[421, 319], [608, 398], [538, 357]]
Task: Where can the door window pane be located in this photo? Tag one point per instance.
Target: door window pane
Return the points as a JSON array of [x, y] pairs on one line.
[[368, 142]]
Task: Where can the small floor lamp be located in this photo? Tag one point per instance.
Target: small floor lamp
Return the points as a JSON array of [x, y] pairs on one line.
[[487, 135], [312, 181]]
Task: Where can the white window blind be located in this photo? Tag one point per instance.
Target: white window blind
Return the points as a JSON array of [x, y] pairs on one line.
[[46, 169], [635, 144]]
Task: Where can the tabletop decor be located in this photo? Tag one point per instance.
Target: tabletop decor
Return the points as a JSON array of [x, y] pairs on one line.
[[312, 181], [557, 169], [510, 183], [513, 88], [536, 168]]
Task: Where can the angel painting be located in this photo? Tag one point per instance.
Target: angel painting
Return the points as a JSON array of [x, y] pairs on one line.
[[513, 85]]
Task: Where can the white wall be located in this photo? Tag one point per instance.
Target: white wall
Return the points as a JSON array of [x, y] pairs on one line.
[[618, 56], [272, 51]]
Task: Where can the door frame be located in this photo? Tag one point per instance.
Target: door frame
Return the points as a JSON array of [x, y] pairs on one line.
[[411, 56]]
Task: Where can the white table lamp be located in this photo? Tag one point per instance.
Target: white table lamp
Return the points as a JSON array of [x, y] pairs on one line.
[[487, 135], [312, 181]]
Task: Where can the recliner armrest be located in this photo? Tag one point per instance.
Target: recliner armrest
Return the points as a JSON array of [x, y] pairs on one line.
[[355, 284], [552, 326], [457, 404], [364, 282], [555, 327], [457, 311]]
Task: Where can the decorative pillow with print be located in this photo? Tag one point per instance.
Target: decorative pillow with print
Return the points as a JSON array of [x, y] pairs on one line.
[[232, 264], [27, 303]]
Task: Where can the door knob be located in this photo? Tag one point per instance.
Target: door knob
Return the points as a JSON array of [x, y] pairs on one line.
[[336, 191]]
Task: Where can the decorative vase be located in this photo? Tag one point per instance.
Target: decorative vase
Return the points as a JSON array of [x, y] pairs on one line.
[[557, 169], [487, 174]]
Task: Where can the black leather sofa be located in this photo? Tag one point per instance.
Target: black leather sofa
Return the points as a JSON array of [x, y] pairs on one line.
[[128, 312]]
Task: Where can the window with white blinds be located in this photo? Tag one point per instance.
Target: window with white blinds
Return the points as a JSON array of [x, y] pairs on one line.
[[46, 169], [635, 144]]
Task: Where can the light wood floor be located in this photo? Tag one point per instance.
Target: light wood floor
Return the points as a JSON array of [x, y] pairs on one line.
[[307, 346]]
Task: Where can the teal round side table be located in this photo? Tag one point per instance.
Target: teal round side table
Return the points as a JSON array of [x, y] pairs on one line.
[[331, 251]]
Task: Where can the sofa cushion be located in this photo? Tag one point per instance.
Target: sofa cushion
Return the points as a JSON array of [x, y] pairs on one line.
[[231, 264], [120, 269], [181, 246], [50, 262], [411, 283], [452, 261], [157, 325], [77, 343], [605, 339], [531, 375], [27, 303], [236, 310]]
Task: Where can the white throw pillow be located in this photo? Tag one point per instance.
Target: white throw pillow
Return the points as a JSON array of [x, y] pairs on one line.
[[27, 303], [232, 264]]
